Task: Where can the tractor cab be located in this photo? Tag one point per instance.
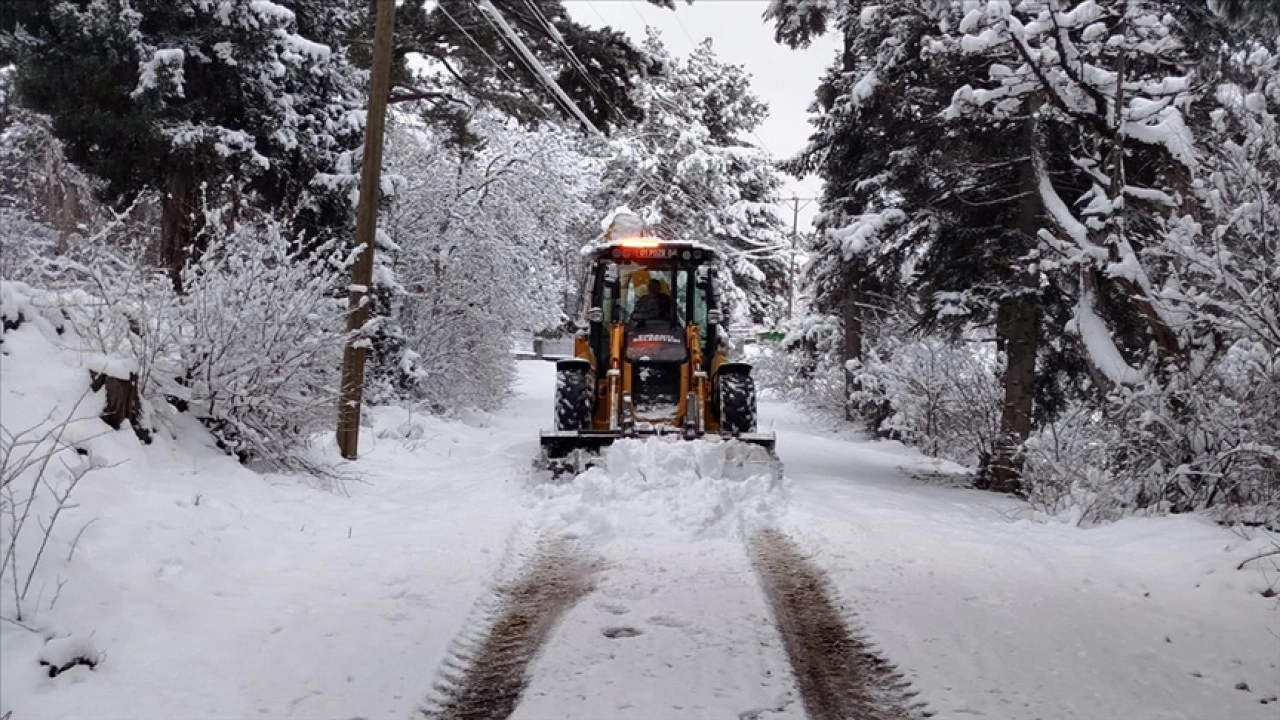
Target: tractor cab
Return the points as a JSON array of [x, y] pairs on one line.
[[660, 298], [649, 354]]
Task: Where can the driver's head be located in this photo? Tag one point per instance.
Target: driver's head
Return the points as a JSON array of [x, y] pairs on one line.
[[655, 287]]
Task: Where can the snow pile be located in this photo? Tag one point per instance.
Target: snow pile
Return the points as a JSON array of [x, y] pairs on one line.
[[667, 487]]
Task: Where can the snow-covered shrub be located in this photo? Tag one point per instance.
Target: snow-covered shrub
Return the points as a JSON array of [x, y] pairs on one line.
[[39, 472], [805, 366], [1212, 445], [256, 340], [47, 205], [480, 237], [941, 397], [252, 347]]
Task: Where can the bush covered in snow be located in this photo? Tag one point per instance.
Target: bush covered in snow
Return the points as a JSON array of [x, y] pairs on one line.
[[1214, 447], [941, 397], [804, 367], [251, 347], [481, 244]]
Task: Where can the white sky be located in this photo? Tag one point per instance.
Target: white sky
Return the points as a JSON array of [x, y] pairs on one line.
[[783, 78]]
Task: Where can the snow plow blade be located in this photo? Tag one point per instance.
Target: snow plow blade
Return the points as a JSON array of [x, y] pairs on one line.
[[568, 451]]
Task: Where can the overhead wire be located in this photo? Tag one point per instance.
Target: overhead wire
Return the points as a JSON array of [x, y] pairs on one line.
[[500, 25], [574, 61], [494, 62], [565, 102]]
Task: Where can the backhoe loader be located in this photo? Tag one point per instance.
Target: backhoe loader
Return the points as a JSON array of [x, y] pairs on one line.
[[650, 354]]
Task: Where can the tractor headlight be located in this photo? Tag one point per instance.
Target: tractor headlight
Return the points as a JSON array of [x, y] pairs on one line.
[[713, 316], [595, 315]]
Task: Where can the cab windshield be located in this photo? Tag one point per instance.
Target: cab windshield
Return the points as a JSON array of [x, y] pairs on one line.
[[654, 295]]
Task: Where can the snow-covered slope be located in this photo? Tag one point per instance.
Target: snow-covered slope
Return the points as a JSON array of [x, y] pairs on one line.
[[210, 591]]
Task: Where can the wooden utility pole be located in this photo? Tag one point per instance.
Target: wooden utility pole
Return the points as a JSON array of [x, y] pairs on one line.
[[791, 261], [358, 297]]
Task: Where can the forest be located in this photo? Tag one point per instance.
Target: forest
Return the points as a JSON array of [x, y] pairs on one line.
[[1047, 245], [996, 435]]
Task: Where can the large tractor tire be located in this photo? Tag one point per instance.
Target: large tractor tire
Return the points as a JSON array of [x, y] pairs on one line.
[[737, 403], [574, 392]]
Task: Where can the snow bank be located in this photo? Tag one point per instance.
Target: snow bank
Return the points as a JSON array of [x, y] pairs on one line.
[[667, 487], [202, 589]]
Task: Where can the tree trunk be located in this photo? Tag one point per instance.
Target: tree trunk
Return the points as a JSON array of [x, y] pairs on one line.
[[178, 221], [1017, 328], [851, 314], [1018, 332], [851, 298], [123, 403]]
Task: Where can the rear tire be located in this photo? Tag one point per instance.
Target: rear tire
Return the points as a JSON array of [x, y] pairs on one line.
[[737, 403], [574, 391]]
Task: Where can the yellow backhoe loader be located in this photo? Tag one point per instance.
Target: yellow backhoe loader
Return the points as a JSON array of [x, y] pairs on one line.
[[650, 354]]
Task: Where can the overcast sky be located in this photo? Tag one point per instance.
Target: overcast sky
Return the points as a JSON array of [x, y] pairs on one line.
[[783, 78]]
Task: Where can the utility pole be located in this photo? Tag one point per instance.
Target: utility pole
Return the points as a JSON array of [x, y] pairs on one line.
[[791, 263], [358, 298]]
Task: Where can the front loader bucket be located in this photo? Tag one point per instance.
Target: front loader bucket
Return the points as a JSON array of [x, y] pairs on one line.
[[767, 441], [568, 452], [561, 443]]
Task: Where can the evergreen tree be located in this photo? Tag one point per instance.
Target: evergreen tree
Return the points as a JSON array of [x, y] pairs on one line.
[[458, 45], [181, 96], [688, 170]]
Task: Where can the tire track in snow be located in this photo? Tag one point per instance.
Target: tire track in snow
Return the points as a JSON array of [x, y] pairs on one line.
[[838, 675], [485, 678]]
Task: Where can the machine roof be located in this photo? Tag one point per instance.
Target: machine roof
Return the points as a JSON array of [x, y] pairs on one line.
[[631, 248]]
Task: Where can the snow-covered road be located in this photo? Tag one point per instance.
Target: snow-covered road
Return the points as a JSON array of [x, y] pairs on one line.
[[217, 595]]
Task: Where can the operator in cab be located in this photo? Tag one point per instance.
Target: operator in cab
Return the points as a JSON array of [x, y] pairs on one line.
[[654, 305]]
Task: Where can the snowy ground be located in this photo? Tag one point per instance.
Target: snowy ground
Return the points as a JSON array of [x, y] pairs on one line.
[[213, 592]]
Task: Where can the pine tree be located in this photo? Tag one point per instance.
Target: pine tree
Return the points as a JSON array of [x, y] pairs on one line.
[[187, 95], [875, 134], [459, 46], [915, 205], [688, 169]]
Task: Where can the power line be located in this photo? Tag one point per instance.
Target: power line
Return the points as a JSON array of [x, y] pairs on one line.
[[486, 7], [532, 68], [491, 59], [507, 34], [574, 61], [597, 12]]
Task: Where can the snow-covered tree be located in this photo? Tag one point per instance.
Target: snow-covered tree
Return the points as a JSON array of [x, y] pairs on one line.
[[188, 93], [479, 236], [1126, 99], [1041, 166], [452, 54], [690, 170]]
